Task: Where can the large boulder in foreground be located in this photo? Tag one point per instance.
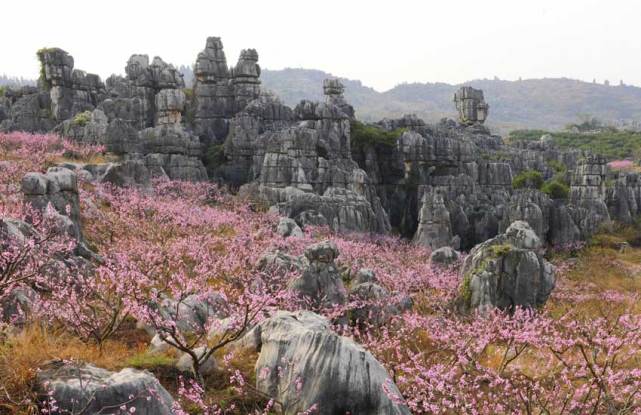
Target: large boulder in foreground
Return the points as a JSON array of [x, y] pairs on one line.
[[82, 388], [323, 368], [507, 271]]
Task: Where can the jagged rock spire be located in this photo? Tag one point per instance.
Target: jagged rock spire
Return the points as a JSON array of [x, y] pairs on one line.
[[471, 105]]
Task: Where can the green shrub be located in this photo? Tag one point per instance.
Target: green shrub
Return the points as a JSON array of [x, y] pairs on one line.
[[3, 90], [556, 189], [214, 156], [43, 80], [364, 135], [82, 118], [609, 142], [557, 166], [528, 179]]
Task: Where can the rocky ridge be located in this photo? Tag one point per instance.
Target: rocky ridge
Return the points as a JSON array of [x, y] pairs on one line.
[[444, 184]]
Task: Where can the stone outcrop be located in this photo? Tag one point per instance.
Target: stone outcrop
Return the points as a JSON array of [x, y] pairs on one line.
[[374, 304], [71, 90], [323, 368], [444, 256], [59, 188], [320, 284], [300, 162], [83, 388], [506, 271], [443, 184], [221, 92], [434, 225], [471, 105], [288, 227]]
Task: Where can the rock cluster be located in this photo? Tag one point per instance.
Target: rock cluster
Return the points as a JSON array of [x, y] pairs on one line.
[[221, 92], [444, 184], [507, 271], [300, 162]]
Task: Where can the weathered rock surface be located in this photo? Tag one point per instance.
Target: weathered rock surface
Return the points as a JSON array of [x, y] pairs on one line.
[[471, 105], [444, 256], [221, 92], [17, 305], [320, 284], [58, 187], [288, 227], [507, 271], [302, 162], [185, 362], [325, 369], [77, 388]]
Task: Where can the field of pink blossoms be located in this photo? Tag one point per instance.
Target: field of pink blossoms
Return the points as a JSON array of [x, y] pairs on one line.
[[580, 354]]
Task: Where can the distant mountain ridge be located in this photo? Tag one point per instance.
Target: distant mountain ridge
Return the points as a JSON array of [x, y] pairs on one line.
[[549, 103]]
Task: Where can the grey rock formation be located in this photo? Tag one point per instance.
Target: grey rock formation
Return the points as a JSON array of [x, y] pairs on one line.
[[507, 271], [58, 187], [334, 89], [320, 284], [85, 127], [375, 305], [193, 313], [71, 90], [171, 151], [444, 256], [302, 162], [364, 275], [288, 227], [279, 261], [77, 388], [332, 371], [17, 304], [434, 226], [471, 105], [26, 109], [208, 367], [221, 92]]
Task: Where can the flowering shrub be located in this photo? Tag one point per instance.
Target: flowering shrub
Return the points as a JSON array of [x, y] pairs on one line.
[[166, 246], [621, 165]]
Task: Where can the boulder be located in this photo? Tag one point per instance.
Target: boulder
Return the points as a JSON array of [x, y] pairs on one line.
[[323, 369], [444, 256], [507, 271], [288, 227], [374, 304], [17, 304], [185, 362], [83, 388], [127, 173], [58, 187]]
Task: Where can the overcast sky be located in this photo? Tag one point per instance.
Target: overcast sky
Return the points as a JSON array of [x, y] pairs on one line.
[[382, 43]]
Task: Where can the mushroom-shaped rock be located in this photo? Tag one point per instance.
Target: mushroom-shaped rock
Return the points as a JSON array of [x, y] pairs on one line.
[[74, 387], [321, 281], [506, 271], [323, 369]]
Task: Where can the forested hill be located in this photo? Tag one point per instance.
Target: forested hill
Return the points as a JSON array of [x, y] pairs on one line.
[[549, 103]]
